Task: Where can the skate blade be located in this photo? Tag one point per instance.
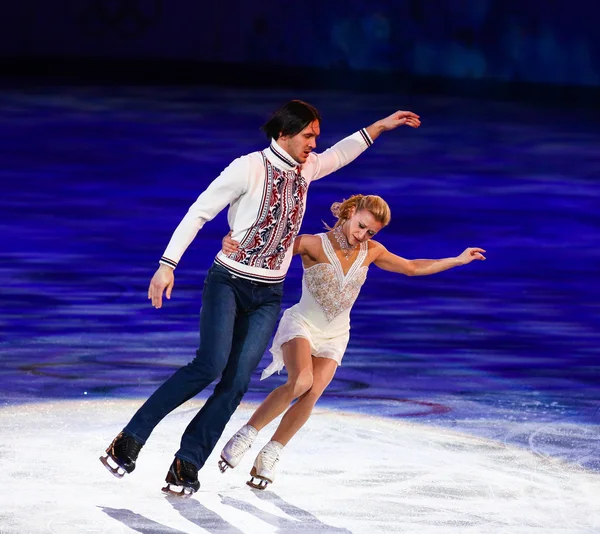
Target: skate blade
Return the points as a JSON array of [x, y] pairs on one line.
[[184, 492], [260, 485], [224, 465], [117, 470], [262, 481]]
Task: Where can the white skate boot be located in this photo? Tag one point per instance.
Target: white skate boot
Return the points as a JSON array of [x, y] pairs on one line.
[[264, 465], [236, 447]]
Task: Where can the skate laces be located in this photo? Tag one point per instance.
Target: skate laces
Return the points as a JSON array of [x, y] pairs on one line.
[[128, 445], [242, 442], [186, 469], [269, 456]]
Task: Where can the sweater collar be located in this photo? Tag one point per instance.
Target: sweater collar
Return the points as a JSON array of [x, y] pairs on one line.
[[280, 158]]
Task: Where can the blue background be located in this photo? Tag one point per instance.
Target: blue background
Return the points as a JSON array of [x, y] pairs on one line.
[[96, 177]]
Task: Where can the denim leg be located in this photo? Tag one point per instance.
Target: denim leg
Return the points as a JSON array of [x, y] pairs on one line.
[[253, 331], [217, 319]]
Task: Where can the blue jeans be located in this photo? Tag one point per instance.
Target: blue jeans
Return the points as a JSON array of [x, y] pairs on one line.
[[237, 320]]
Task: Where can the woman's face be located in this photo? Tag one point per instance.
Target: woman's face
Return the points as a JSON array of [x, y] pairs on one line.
[[361, 226]]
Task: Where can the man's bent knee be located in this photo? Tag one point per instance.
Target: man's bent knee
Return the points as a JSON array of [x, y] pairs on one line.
[[205, 368]]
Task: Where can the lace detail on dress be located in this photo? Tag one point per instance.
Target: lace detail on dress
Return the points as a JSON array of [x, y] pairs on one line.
[[326, 289], [332, 291]]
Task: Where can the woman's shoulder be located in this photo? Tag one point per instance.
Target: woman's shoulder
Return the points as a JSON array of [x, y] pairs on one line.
[[309, 245], [310, 239], [375, 250], [375, 246]]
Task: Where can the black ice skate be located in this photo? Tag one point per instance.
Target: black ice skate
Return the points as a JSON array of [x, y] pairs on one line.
[[184, 476], [123, 453]]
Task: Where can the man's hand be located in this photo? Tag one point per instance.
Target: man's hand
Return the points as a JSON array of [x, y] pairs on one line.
[[229, 245], [399, 118], [163, 278]]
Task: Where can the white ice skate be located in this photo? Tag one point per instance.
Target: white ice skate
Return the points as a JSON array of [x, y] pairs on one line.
[[264, 465], [236, 447]]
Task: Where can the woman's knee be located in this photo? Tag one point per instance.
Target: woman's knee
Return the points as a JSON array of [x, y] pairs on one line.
[[300, 384], [324, 370], [316, 391]]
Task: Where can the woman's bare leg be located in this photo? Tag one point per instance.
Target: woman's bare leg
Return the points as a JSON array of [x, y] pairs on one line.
[[297, 359], [323, 372]]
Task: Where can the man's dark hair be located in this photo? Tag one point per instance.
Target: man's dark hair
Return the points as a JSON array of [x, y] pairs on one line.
[[290, 119]]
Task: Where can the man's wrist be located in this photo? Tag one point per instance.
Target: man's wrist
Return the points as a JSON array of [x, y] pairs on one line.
[[166, 262], [375, 130]]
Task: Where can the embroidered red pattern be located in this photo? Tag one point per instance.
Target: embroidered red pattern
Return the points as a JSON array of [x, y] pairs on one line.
[[279, 221]]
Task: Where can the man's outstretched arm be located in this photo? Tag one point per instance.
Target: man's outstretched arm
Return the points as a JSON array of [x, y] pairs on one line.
[[348, 149], [399, 118]]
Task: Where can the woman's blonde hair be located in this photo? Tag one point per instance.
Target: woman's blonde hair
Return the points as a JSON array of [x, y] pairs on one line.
[[372, 203]]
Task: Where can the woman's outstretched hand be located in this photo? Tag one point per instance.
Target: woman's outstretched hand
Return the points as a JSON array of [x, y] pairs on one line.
[[470, 254]]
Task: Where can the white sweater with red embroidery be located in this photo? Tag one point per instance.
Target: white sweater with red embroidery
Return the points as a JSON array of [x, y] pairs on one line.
[[266, 194]]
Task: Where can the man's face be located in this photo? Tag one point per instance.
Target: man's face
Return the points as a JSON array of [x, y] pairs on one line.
[[299, 146]]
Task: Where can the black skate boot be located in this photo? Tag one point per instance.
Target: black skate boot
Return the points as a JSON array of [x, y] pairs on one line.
[[184, 476], [123, 452]]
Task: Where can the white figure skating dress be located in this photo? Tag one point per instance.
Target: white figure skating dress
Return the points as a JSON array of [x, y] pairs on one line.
[[323, 314]]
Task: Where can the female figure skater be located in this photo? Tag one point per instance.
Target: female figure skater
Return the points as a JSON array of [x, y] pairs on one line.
[[312, 335]]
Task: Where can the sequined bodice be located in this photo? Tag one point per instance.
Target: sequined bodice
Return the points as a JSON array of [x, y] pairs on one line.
[[330, 289]]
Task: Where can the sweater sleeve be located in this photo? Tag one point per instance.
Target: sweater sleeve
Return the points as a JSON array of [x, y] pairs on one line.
[[342, 153], [224, 190]]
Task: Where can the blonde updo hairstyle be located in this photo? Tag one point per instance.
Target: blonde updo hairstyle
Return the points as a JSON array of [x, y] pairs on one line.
[[372, 203]]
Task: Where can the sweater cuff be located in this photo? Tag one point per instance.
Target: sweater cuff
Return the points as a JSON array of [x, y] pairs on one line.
[[168, 262], [366, 137]]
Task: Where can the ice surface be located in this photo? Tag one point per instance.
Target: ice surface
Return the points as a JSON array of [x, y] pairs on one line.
[[343, 473]]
